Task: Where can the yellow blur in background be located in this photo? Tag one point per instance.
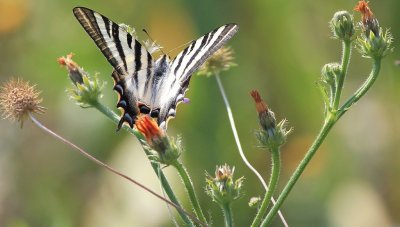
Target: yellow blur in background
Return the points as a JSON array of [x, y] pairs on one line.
[[280, 49]]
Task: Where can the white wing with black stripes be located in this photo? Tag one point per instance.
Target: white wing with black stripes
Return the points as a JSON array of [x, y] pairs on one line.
[[146, 86], [185, 64], [131, 61]]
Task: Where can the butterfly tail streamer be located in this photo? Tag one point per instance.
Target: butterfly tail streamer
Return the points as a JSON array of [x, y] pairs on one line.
[[239, 146]]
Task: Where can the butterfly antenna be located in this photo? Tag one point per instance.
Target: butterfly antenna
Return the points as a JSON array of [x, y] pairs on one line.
[[158, 46], [180, 46]]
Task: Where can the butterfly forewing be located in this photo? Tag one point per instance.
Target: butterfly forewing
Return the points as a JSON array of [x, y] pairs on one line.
[[131, 61], [185, 64]]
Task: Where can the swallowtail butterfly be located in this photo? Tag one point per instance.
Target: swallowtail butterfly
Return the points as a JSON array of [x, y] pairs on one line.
[[144, 85]]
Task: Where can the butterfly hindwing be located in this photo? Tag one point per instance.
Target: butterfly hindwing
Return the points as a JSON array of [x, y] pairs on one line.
[[185, 64]]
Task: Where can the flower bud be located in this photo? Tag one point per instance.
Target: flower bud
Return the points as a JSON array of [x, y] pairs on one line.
[[265, 116], [272, 134], [342, 25], [373, 43], [375, 47], [87, 91], [75, 73], [330, 73], [222, 188], [167, 149], [254, 202], [368, 21]]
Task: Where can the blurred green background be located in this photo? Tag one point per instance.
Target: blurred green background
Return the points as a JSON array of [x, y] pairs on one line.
[[280, 49]]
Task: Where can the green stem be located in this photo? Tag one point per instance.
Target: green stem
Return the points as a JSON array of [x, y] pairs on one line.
[[363, 89], [344, 66], [227, 210], [275, 172], [239, 146], [164, 182], [190, 190], [329, 122], [297, 173]]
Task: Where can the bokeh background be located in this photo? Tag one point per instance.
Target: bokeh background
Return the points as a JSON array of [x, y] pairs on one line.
[[354, 180]]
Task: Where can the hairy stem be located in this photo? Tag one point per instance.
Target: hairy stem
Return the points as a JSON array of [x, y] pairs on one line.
[[299, 170], [190, 190], [363, 89], [227, 210], [275, 172], [239, 146], [346, 53]]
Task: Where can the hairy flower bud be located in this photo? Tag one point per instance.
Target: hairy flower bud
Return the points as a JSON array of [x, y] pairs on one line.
[[272, 134], [254, 202], [86, 91], [330, 73], [373, 43], [167, 149], [222, 188], [342, 25]]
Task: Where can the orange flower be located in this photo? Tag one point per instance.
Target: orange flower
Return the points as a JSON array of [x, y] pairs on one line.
[[167, 149], [149, 129], [365, 11], [68, 62], [266, 116], [75, 72], [260, 105]]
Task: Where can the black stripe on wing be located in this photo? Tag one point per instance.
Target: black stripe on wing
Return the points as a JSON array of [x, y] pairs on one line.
[[130, 60], [187, 62], [118, 46], [192, 57]]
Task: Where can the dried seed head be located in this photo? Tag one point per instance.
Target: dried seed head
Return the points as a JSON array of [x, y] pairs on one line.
[[18, 98], [221, 60]]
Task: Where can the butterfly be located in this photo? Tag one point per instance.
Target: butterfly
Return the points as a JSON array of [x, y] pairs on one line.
[[145, 85]]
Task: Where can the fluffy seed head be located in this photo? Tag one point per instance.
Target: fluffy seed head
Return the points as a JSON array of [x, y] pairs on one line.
[[18, 98], [221, 60]]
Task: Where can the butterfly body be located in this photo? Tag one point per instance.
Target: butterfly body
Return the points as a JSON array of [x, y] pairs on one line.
[[144, 85]]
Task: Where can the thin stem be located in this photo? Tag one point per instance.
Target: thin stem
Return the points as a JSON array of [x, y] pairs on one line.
[[299, 170], [346, 53], [109, 168], [190, 190], [164, 182], [363, 89], [275, 172], [239, 146], [227, 210]]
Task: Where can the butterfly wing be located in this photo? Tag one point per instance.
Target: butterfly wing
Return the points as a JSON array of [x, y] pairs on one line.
[[186, 63], [131, 61]]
